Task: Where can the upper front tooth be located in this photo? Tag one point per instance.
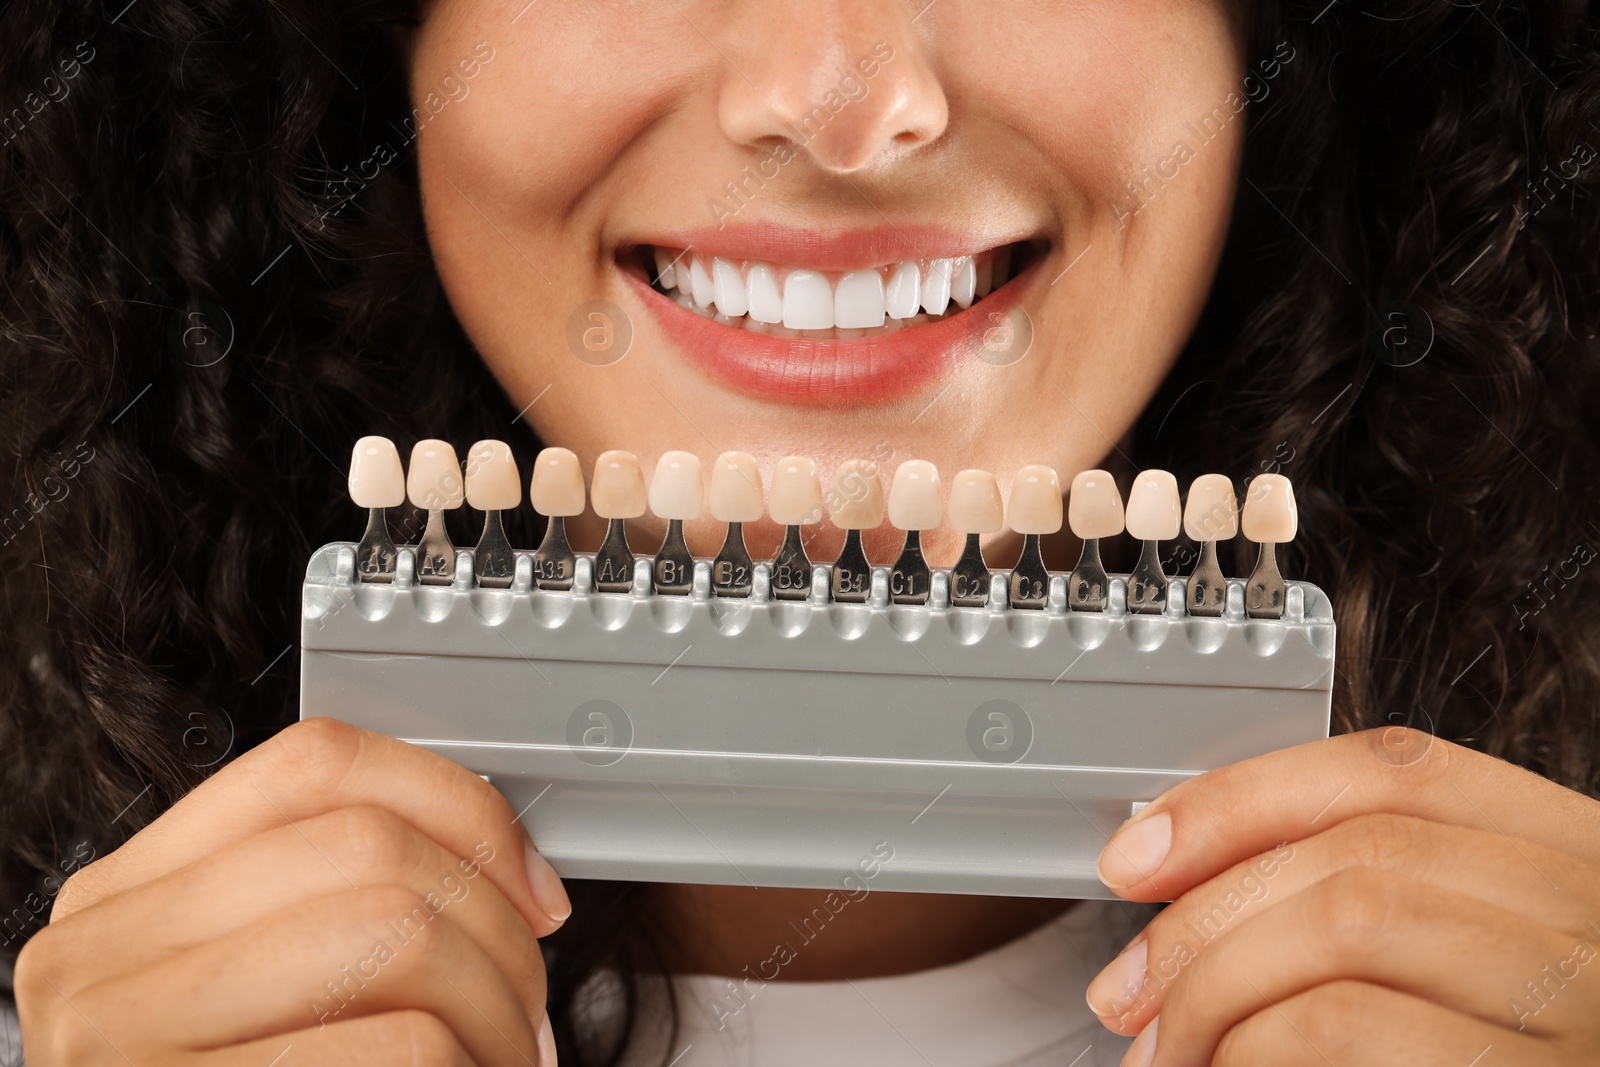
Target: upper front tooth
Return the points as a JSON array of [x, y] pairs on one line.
[[901, 298], [963, 281], [807, 301], [858, 301], [666, 273], [729, 288], [700, 285], [764, 298], [1002, 265], [936, 287]]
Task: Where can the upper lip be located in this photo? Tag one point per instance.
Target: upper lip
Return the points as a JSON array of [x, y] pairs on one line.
[[837, 250]]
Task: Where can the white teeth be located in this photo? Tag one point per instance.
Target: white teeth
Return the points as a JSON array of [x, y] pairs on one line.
[[858, 301], [780, 301], [903, 295], [766, 301], [807, 301], [728, 284], [936, 287], [963, 281], [665, 270], [701, 287]]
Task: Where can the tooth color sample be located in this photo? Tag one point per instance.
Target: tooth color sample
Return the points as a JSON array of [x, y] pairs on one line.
[[433, 480], [1269, 510], [796, 497], [975, 505], [807, 301], [493, 483], [556, 488], [857, 502], [676, 491], [1154, 513], [735, 493], [915, 500], [1212, 512], [1035, 500], [618, 489], [376, 480], [1095, 507]]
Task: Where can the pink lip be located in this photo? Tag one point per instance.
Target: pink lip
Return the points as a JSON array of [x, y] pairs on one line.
[[828, 372], [844, 250]]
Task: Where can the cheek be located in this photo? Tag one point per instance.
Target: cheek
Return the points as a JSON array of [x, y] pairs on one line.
[[552, 112], [1107, 93]]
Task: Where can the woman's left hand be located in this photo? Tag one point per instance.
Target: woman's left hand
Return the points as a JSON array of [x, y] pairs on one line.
[[1376, 898]]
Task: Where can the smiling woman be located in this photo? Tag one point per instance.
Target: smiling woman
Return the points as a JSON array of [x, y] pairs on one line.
[[1202, 235]]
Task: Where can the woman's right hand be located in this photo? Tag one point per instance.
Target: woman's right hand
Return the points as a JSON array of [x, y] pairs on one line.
[[333, 896]]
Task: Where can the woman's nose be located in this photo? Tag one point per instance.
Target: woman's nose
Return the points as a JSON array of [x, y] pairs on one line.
[[849, 83]]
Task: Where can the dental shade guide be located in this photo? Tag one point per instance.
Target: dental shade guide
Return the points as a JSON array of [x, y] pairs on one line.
[[677, 495], [1094, 510], [377, 483], [735, 498], [795, 501], [1211, 514], [433, 483], [857, 505], [1035, 510], [617, 494], [556, 492], [493, 486], [1270, 519], [1153, 515], [681, 724], [915, 505], [975, 509]]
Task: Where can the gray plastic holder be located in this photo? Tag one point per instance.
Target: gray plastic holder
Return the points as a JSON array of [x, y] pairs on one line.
[[779, 743]]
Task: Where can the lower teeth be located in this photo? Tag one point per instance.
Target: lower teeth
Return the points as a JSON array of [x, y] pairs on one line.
[[778, 329]]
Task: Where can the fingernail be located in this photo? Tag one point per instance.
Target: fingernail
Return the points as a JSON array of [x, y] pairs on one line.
[[1121, 980], [1143, 1049], [548, 892], [547, 1043], [1136, 852]]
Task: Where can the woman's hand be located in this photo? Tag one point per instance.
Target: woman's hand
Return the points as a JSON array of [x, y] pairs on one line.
[[1376, 898], [331, 897]]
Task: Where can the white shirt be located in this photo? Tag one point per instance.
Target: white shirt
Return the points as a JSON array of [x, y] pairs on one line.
[[1018, 1005]]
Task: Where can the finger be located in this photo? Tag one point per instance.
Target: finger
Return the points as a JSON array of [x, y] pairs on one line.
[[334, 959], [393, 1039], [288, 867], [1369, 926], [1207, 824], [1354, 1024], [1521, 877], [316, 766]]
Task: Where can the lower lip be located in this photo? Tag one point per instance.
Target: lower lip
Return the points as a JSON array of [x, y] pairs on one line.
[[822, 372]]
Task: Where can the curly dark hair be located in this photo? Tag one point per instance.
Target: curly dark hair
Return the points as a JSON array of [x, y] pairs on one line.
[[208, 297]]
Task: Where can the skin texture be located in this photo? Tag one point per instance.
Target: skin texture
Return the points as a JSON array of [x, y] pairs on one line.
[[283, 873], [1380, 897]]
